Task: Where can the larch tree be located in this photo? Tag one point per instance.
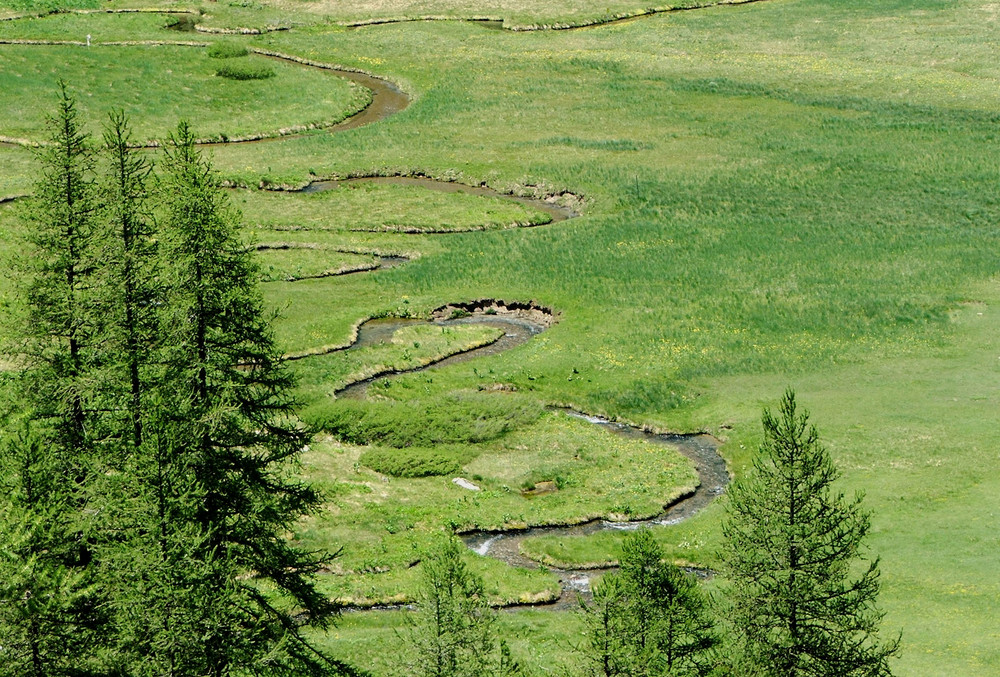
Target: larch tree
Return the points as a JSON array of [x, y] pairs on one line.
[[47, 601], [455, 634], [58, 322], [649, 619], [144, 552], [226, 429], [607, 650], [802, 593], [129, 292], [149, 463], [50, 611]]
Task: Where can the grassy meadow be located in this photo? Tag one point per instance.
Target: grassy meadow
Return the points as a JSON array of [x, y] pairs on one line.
[[177, 82], [786, 193]]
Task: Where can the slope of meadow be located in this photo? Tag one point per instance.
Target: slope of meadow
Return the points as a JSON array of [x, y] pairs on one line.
[[790, 192]]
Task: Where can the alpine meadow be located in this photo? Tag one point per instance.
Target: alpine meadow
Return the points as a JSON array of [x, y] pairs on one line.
[[515, 337]]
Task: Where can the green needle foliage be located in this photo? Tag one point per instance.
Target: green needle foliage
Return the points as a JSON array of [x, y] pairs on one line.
[[59, 321], [226, 429], [48, 608], [456, 634], [791, 552], [46, 597], [130, 293], [145, 522], [650, 619]]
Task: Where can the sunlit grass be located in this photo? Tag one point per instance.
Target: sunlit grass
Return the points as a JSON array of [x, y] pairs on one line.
[[596, 475], [788, 193], [178, 83], [384, 207]]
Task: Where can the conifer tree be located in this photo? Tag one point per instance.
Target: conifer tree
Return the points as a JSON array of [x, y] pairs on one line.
[[59, 313], [649, 619], [792, 548], [146, 515], [227, 433], [128, 288], [46, 598], [50, 616], [456, 634], [146, 496], [607, 651]]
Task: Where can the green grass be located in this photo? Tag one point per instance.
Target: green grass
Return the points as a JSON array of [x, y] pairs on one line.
[[41, 6], [385, 207], [456, 418], [415, 461], [374, 639], [515, 13], [305, 261], [786, 193], [410, 347], [227, 50], [391, 519], [179, 82], [245, 72]]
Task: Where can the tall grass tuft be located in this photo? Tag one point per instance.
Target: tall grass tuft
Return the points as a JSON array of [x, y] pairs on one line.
[[245, 72], [227, 50]]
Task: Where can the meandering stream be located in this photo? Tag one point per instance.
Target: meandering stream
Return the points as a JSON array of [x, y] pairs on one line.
[[521, 322]]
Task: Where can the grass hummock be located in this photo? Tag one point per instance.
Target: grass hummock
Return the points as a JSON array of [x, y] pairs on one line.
[[240, 71], [227, 50]]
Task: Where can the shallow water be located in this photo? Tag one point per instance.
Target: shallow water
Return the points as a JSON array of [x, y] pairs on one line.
[[701, 449], [517, 331]]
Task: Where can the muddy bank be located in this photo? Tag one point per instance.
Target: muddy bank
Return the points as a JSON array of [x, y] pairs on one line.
[[575, 583], [623, 17], [380, 330], [211, 30], [701, 449], [493, 22], [520, 322], [134, 10], [182, 23], [187, 19], [498, 23], [486, 21], [527, 311], [387, 98]]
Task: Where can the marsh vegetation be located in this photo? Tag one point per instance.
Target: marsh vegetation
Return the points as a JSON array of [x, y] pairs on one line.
[[781, 192]]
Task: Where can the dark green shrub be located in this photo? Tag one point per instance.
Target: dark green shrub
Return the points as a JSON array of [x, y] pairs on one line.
[[46, 6], [416, 461], [460, 418], [227, 50], [244, 71]]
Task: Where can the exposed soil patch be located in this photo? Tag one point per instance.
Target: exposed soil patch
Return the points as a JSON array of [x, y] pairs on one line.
[[529, 311], [540, 489]]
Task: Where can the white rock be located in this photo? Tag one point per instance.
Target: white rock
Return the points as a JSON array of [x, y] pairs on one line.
[[465, 484]]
